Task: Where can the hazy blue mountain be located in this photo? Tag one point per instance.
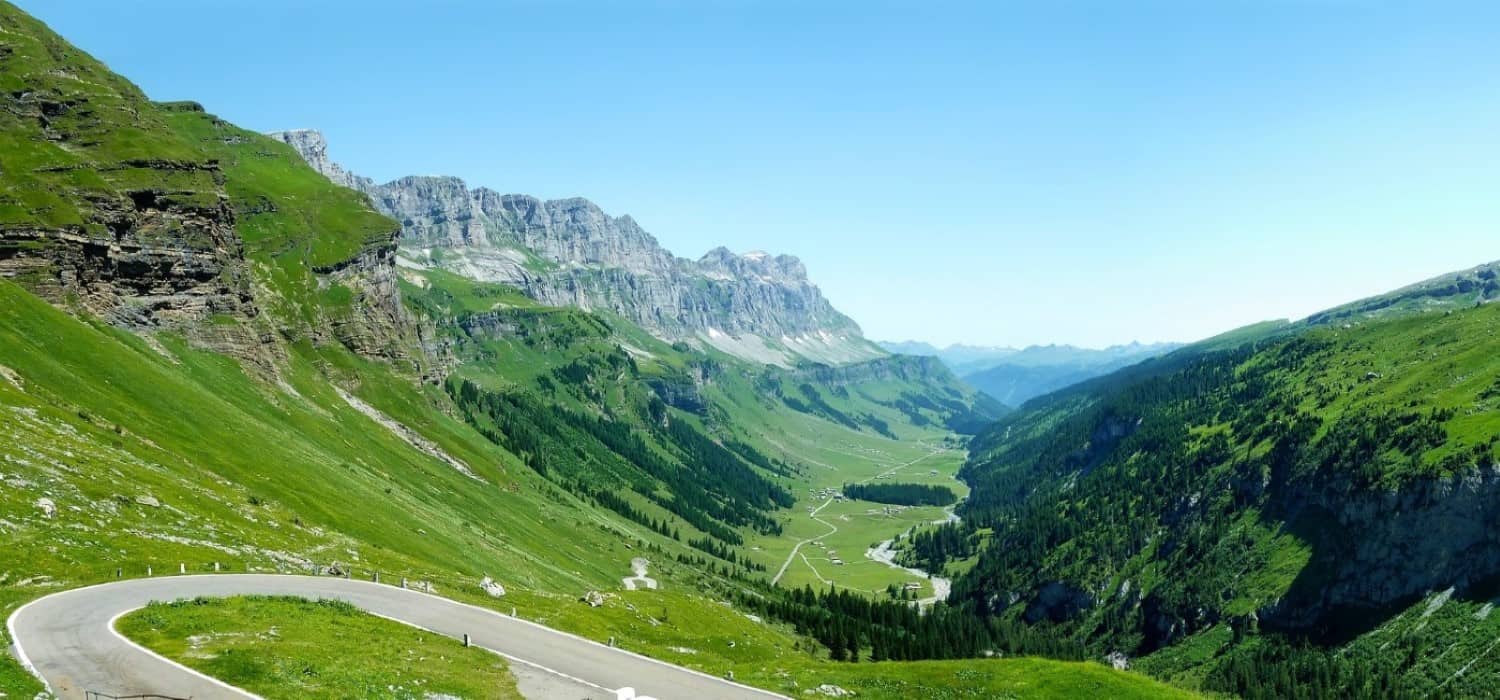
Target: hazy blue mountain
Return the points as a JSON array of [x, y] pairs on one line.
[[1014, 376], [1043, 369], [962, 359]]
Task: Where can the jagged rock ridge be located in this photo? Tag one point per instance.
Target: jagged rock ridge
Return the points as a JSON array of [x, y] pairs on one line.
[[569, 252]]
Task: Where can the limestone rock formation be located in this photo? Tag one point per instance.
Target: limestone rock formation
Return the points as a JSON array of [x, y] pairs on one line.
[[314, 148], [148, 244], [569, 252]]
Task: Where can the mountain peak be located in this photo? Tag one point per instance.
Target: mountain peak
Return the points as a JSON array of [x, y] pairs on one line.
[[313, 147], [570, 252]]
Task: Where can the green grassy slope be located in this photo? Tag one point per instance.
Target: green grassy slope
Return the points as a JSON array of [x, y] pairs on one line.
[[1260, 490], [76, 136]]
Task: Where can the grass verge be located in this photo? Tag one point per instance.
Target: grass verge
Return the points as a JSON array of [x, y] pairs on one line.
[[280, 647]]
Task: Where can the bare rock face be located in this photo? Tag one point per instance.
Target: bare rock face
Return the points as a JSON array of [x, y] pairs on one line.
[[104, 209], [905, 368], [166, 258], [379, 324], [1392, 547], [569, 252]]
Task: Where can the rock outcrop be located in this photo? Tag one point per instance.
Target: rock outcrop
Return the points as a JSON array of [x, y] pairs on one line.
[[378, 325], [149, 259], [105, 209], [1389, 548], [569, 252], [314, 149]]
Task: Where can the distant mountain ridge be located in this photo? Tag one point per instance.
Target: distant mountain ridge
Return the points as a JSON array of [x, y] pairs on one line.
[[569, 252], [1014, 376], [961, 358]]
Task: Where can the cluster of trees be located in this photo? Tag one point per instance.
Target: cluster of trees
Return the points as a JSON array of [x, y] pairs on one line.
[[617, 503], [815, 404], [854, 627], [957, 416], [895, 592], [900, 494], [931, 548], [821, 407], [909, 409], [724, 569], [1281, 670], [878, 425], [713, 460], [760, 459]]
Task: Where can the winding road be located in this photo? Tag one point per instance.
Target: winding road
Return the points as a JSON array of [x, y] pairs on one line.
[[68, 639]]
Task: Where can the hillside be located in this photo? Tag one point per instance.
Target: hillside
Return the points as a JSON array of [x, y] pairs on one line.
[[210, 360], [1457, 290], [1260, 516]]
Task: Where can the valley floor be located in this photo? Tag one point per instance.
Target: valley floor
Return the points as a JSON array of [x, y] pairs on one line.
[[827, 538]]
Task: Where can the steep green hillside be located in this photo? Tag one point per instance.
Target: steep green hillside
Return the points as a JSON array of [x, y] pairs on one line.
[[1296, 491]]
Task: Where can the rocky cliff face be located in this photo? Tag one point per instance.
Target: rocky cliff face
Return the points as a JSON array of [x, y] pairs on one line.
[[379, 326], [138, 229], [153, 262], [314, 149], [1390, 548], [569, 252]]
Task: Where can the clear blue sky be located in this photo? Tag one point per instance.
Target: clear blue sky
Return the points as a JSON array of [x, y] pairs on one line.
[[1003, 173]]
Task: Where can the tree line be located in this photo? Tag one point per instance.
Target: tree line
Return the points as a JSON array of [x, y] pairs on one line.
[[900, 494]]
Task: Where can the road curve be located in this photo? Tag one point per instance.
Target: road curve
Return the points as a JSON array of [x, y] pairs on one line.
[[68, 640]]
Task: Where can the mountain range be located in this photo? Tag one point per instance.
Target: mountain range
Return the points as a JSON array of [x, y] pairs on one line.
[[569, 252], [1014, 376]]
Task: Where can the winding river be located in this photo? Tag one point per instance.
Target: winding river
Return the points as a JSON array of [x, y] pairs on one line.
[[885, 553]]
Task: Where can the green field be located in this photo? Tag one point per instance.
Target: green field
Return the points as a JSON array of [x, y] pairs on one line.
[[291, 648], [845, 529]]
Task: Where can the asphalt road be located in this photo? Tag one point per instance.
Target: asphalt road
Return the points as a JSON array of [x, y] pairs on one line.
[[68, 639]]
